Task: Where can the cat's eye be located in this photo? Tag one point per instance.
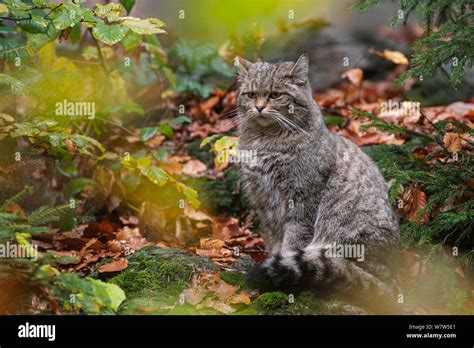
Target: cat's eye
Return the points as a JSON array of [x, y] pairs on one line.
[[275, 95], [252, 95]]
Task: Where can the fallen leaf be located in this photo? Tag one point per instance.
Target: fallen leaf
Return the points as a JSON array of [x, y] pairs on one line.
[[114, 266], [219, 306], [194, 168], [69, 146], [393, 56], [211, 243], [196, 215], [222, 289], [194, 295], [452, 141], [414, 200], [239, 298], [354, 76]]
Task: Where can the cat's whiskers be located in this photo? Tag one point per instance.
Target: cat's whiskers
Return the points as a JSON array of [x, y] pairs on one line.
[[292, 125]]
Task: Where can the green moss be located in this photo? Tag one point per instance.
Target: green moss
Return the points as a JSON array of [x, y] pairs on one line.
[[219, 196], [278, 303], [233, 278], [155, 277]]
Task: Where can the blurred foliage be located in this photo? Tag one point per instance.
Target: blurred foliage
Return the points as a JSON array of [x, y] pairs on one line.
[[196, 66], [447, 216], [447, 41]]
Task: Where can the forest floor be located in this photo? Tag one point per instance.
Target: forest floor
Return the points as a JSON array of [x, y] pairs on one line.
[[197, 263]]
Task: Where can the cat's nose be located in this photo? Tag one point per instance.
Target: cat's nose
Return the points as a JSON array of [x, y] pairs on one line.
[[259, 108]]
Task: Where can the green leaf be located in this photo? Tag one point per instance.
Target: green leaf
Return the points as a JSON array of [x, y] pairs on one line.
[[70, 15], [75, 34], [115, 295], [156, 175], [144, 26], [128, 4], [170, 76], [109, 34], [148, 132], [110, 11], [209, 139], [224, 143], [127, 107], [17, 87], [143, 162], [40, 3], [180, 120], [165, 129], [75, 186], [190, 194]]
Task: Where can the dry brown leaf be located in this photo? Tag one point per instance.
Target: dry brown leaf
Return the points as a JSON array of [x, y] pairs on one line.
[[152, 221], [452, 141], [211, 243], [239, 298], [172, 167], [212, 253], [194, 168], [459, 271], [194, 295], [222, 289], [69, 146], [193, 214], [114, 266], [219, 306], [114, 246], [415, 199], [354, 76]]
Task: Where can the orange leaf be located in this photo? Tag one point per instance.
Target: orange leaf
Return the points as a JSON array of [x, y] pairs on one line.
[[211, 243], [452, 142], [415, 199], [354, 76], [114, 266], [239, 298], [194, 168]]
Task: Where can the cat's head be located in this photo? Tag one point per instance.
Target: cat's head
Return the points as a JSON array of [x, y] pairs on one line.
[[275, 95]]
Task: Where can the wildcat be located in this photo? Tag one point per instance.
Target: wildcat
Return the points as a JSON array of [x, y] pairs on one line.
[[312, 190]]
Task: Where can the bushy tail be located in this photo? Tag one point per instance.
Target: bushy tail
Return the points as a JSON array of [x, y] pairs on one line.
[[310, 269]]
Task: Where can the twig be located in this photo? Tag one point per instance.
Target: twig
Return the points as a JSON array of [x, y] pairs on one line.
[[101, 56]]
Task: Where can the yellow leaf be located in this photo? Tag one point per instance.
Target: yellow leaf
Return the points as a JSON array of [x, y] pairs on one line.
[[144, 26], [3, 8], [239, 298], [63, 63], [47, 54], [395, 57]]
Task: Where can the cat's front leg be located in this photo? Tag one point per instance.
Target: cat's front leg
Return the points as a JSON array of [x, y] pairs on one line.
[[296, 235]]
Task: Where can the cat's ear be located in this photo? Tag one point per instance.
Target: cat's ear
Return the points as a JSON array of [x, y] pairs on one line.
[[299, 71], [243, 67]]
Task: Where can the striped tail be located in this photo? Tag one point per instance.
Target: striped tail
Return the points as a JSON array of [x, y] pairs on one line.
[[310, 269]]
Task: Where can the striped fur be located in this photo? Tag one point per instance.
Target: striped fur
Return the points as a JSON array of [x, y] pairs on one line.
[[311, 188]]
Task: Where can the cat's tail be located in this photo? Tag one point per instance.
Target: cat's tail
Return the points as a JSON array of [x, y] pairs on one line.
[[311, 269]]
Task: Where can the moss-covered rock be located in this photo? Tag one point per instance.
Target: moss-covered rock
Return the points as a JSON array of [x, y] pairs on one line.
[[279, 303], [233, 278], [155, 277]]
